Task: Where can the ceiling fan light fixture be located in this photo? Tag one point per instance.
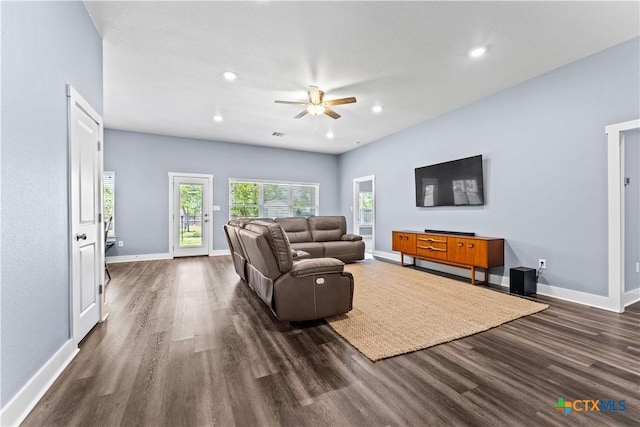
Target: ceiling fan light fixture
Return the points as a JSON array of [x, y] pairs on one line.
[[316, 110], [477, 52], [230, 75]]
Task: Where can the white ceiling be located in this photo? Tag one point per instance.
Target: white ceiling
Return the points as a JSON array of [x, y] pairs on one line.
[[163, 62]]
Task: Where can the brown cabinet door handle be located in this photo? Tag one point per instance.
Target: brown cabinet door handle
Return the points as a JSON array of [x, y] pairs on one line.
[[470, 245], [460, 244]]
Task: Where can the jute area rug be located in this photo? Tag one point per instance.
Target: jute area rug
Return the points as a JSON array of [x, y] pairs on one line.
[[398, 310]]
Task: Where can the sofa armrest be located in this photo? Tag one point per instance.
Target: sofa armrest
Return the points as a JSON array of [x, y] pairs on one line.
[[351, 237], [309, 267], [297, 255]]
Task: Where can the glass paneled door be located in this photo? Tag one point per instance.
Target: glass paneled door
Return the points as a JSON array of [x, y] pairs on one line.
[[191, 215]]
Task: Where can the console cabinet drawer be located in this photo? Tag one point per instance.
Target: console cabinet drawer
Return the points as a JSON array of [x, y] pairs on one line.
[[432, 246]]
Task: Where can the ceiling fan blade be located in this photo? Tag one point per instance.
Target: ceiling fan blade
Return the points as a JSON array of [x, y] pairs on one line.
[[340, 101], [301, 114], [331, 113], [290, 102], [315, 95]]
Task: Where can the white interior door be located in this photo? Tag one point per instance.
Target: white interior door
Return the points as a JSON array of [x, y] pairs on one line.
[[191, 214], [364, 210], [87, 242]]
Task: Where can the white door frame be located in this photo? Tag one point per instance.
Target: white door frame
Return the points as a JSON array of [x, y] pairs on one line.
[[208, 208], [615, 150], [356, 204], [75, 99]]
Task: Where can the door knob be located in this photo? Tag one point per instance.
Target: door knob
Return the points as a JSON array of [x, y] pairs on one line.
[[82, 236]]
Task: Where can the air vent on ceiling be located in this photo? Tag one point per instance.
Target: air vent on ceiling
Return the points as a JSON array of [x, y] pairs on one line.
[[278, 134]]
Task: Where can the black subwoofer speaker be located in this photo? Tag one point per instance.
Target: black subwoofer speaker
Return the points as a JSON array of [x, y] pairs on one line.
[[522, 281]]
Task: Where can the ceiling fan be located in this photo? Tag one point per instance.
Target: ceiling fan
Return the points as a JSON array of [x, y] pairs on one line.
[[317, 105]]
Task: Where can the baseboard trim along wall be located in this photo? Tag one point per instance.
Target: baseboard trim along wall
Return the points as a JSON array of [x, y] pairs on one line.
[[17, 409], [154, 257], [494, 279], [131, 258], [597, 301], [631, 296], [220, 252]]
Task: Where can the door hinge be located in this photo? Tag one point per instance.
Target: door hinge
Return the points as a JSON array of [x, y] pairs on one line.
[[98, 145], [100, 289], [99, 217]]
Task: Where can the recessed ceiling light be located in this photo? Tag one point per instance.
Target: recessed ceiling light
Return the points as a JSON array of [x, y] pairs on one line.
[[217, 118], [477, 52], [330, 135], [376, 108], [230, 75]]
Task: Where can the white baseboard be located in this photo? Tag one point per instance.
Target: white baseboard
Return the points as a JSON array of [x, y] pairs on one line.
[[131, 258], [154, 257], [631, 297], [220, 252], [443, 268], [584, 298], [578, 297], [17, 409]]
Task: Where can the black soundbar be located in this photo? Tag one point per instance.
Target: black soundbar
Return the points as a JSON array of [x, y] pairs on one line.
[[456, 233]]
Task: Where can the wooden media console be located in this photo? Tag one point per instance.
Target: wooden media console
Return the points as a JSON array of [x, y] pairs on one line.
[[460, 251]]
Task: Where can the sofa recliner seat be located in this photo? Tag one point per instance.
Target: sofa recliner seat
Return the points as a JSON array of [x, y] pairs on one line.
[[304, 289]]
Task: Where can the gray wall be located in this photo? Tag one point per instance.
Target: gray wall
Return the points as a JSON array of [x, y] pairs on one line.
[[142, 163], [632, 210], [545, 167], [44, 46]]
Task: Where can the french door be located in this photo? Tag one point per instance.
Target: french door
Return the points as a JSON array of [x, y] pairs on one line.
[[190, 214]]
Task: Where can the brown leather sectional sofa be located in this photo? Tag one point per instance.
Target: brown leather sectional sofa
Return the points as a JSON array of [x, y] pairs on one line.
[[323, 236], [294, 286]]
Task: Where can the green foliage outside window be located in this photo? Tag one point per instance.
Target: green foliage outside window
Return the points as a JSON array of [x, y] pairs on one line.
[[266, 199]]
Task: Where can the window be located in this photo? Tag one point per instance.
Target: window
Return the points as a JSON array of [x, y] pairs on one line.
[[109, 185], [257, 199]]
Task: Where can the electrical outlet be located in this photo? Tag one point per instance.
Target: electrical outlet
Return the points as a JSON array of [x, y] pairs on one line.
[[120, 243], [542, 264]]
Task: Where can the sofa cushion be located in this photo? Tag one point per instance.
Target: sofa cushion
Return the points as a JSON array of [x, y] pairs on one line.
[[327, 228], [297, 229]]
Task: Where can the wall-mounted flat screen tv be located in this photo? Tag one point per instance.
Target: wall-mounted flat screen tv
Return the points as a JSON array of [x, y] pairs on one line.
[[455, 183]]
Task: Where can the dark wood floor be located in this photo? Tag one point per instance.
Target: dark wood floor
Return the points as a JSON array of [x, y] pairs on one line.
[[188, 344]]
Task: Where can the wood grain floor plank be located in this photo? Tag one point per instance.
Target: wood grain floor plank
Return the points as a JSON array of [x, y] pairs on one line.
[[189, 344]]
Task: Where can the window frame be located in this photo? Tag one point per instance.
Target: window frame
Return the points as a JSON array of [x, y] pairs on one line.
[[261, 205]]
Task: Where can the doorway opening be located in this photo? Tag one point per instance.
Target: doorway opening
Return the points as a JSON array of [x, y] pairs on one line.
[[617, 300], [364, 210]]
